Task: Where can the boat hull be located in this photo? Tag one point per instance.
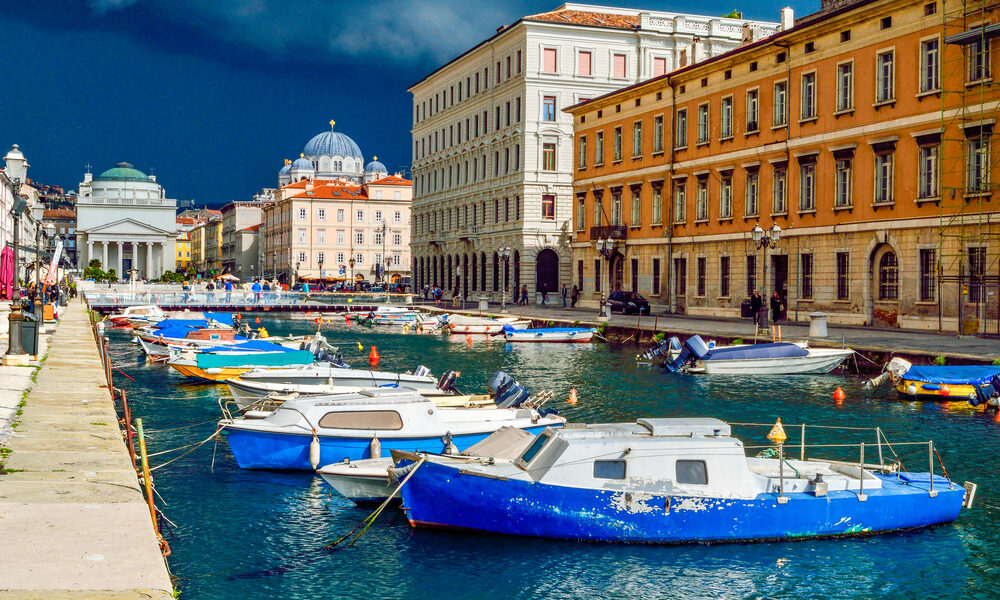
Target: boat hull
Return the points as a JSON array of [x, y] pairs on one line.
[[932, 392], [819, 361], [217, 374], [582, 336], [255, 449], [359, 482], [441, 496]]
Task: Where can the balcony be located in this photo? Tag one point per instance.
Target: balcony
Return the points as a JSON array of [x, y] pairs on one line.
[[613, 232]]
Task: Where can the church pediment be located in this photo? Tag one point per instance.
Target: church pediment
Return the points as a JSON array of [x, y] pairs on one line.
[[129, 227]]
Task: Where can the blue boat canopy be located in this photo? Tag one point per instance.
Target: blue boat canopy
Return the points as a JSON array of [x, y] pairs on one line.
[[182, 332], [969, 374], [252, 345], [190, 323], [221, 317], [774, 350]]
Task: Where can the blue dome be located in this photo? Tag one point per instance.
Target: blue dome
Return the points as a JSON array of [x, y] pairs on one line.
[[285, 169], [302, 163], [375, 167], [332, 143]]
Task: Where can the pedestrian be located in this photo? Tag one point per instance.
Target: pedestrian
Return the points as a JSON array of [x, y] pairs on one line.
[[563, 294], [229, 291], [756, 303], [455, 297], [427, 290], [255, 288], [575, 296], [775, 307], [545, 293], [524, 294]]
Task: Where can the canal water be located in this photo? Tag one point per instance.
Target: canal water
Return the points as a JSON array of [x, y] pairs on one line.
[[256, 534]]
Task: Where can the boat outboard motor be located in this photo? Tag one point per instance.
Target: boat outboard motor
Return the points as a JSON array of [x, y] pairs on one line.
[[447, 381], [694, 348], [421, 371], [506, 392], [497, 381]]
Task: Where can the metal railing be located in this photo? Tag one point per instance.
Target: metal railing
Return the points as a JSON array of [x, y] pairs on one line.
[[246, 300]]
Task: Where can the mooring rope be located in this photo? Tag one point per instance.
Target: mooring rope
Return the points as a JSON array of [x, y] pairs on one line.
[[196, 446]]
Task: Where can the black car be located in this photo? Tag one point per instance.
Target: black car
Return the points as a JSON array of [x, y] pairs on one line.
[[628, 303]]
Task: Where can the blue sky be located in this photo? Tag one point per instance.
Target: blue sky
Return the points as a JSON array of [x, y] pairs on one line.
[[211, 95]]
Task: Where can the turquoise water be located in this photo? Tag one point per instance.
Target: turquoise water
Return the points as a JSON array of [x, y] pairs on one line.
[[255, 534]]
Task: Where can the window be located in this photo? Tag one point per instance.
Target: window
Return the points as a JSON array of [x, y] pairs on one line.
[[928, 275], [779, 199], [930, 9], [635, 274], [751, 273], [703, 124], [616, 208], [780, 103], [928, 171], [883, 178], [806, 270], [359, 216], [884, 77], [659, 66], [320, 236], [930, 77], [548, 108], [599, 148], [359, 238], [977, 274], [581, 214], [656, 276], [637, 139], [581, 154], [597, 275], [726, 197], [977, 171], [845, 87], [886, 22], [888, 277], [753, 102], [397, 216], [808, 96], [807, 187], [548, 62], [598, 210], [724, 276], [727, 118], [378, 216], [359, 259], [320, 214], [618, 144], [302, 236], [378, 238], [301, 258], [701, 265], [680, 282], [548, 207], [843, 276], [978, 53], [397, 239], [842, 184], [657, 205], [340, 237], [691, 472], [636, 212], [680, 201], [750, 193], [609, 469], [701, 201], [682, 129], [658, 133], [810, 47], [548, 156], [303, 214], [618, 66], [579, 275], [584, 63]]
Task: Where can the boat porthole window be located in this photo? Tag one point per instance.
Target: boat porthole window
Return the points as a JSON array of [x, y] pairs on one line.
[[381, 420], [692, 472], [609, 469], [533, 450]]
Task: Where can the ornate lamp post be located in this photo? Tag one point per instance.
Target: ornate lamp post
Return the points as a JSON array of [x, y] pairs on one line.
[[274, 264], [17, 170], [295, 279], [321, 277], [605, 247], [763, 240], [505, 256], [350, 263]]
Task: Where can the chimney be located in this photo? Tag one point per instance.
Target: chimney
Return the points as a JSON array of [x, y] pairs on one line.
[[697, 50], [787, 18], [747, 35]]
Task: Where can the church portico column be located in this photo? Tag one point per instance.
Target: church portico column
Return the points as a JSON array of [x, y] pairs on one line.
[[121, 254], [135, 255], [149, 261], [104, 255], [90, 254]]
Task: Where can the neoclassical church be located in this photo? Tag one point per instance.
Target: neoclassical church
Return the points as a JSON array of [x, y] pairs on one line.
[[331, 155]]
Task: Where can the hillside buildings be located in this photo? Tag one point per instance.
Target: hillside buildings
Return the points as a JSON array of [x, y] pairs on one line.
[[861, 141], [493, 151]]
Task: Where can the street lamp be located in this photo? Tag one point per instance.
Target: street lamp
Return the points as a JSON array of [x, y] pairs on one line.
[[16, 168], [605, 247], [350, 263], [763, 240], [296, 278], [321, 278], [274, 264], [505, 256]]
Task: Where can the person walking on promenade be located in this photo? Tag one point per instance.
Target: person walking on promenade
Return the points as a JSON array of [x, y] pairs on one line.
[[775, 307], [563, 294], [524, 294], [456, 297], [427, 290], [575, 296], [545, 294], [229, 291], [256, 291], [756, 303]]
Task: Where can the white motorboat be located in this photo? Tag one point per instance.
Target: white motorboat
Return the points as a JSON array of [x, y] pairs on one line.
[[550, 334], [481, 325], [778, 358], [286, 379], [139, 315]]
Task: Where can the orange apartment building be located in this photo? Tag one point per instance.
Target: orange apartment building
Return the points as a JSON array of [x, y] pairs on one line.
[[864, 132]]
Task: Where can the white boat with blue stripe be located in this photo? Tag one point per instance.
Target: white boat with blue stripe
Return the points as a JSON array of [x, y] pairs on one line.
[[549, 334]]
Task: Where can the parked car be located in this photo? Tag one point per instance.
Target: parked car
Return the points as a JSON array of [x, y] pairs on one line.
[[628, 303]]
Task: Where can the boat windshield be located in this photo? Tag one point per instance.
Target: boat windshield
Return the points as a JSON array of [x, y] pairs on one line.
[[533, 449]]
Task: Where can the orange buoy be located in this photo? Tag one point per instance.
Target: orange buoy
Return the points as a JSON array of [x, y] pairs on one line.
[[996, 417], [945, 390], [572, 396], [839, 395], [466, 328], [347, 317], [373, 356], [468, 339], [317, 320], [257, 320]]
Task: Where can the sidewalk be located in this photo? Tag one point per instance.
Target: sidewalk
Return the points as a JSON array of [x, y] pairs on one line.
[[73, 521], [929, 344]]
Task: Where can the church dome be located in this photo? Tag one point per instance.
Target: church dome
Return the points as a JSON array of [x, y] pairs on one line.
[[302, 163], [123, 171], [285, 169], [332, 143], [375, 167]]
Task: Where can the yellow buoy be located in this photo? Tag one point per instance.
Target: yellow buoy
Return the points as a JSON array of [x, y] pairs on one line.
[[777, 433], [360, 347]]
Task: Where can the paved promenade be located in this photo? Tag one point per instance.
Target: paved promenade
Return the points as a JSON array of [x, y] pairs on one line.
[[73, 521], [929, 344]]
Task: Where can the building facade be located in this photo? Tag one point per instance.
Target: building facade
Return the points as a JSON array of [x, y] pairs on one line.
[[864, 134], [183, 249], [125, 220], [493, 151], [64, 221]]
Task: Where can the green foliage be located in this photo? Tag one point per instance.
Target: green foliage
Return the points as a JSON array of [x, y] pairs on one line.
[[659, 337], [94, 262], [111, 276], [601, 328], [94, 271], [733, 14], [172, 277], [996, 361], [738, 341], [576, 322], [940, 360]]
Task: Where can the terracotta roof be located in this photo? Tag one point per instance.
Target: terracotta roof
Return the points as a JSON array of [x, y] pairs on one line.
[[592, 19], [298, 185], [213, 211], [186, 220], [391, 180], [59, 213], [335, 192], [251, 228]]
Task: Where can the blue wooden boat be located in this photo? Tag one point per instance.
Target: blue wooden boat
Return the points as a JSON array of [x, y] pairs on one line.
[[549, 334], [667, 481]]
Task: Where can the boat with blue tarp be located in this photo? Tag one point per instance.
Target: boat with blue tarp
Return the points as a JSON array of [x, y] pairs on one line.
[[549, 334], [965, 382], [670, 480], [777, 358]]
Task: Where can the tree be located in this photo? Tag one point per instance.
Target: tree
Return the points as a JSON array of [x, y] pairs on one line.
[[94, 271], [734, 14], [111, 276]]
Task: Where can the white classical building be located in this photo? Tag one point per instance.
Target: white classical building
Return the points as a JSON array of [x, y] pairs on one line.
[[493, 151], [125, 220]]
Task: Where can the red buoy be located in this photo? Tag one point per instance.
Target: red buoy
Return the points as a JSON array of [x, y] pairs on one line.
[[373, 357], [317, 320], [468, 339], [257, 320], [839, 395], [945, 390]]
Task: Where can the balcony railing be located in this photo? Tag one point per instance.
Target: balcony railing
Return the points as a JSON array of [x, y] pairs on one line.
[[614, 232]]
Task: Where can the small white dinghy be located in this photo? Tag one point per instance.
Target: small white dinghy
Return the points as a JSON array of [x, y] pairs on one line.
[[550, 334], [481, 325]]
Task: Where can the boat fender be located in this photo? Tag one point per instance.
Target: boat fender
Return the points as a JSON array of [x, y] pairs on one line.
[[375, 448], [314, 451], [449, 446], [572, 396], [945, 390], [213, 371], [911, 389]]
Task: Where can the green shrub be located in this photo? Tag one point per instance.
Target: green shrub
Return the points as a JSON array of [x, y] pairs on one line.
[[659, 337], [940, 360], [737, 341]]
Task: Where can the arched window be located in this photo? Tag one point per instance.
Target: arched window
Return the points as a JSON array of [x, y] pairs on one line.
[[888, 277]]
